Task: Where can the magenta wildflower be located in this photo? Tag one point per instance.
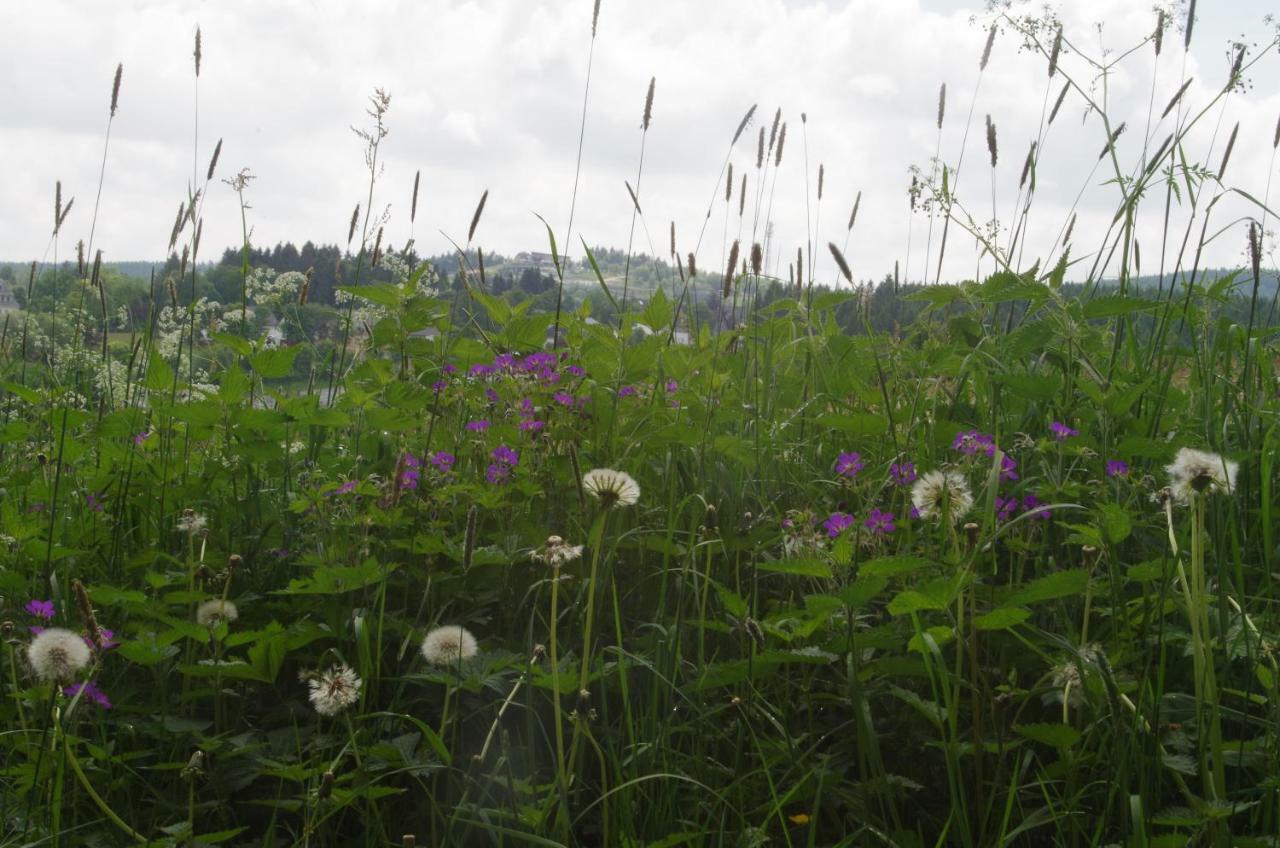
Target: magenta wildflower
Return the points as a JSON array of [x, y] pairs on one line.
[[346, 488], [480, 370], [626, 391], [973, 442], [1031, 503], [528, 425], [563, 398], [1117, 468], [1061, 432], [439, 385], [449, 369], [849, 464], [902, 473], [40, 609], [443, 461], [880, 522], [108, 640], [913, 513], [575, 371], [1006, 507], [409, 478], [838, 523], [91, 501], [140, 438], [477, 426], [1008, 468], [502, 453], [91, 692], [672, 385], [493, 396]]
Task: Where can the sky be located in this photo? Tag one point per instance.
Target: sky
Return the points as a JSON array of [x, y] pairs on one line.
[[488, 95]]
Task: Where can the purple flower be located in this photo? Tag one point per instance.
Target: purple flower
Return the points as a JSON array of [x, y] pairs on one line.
[[36, 507], [879, 522], [40, 609], [787, 524], [575, 371], [837, 523], [140, 438], [848, 464], [345, 489], [480, 370], [1006, 507], [493, 396], [1031, 502], [505, 360], [477, 426], [526, 408], [913, 513], [443, 461], [528, 425], [672, 385], [563, 398], [412, 461], [108, 640], [1008, 468], [502, 453], [409, 478], [1061, 432], [439, 385], [1117, 468], [974, 442], [626, 391], [90, 691], [449, 369], [91, 501], [902, 473]]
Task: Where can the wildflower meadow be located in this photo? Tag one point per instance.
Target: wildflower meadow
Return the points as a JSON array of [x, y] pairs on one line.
[[730, 558]]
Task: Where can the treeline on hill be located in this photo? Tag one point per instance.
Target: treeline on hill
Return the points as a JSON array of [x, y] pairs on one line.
[[129, 289]]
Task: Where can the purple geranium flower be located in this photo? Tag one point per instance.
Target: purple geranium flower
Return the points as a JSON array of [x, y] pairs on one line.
[[502, 453], [1008, 468], [973, 442], [346, 488], [530, 424], [1031, 502], [880, 522], [849, 464], [563, 398], [672, 385], [1006, 507], [443, 461], [477, 426], [1061, 432], [1117, 468], [140, 438], [40, 609], [838, 523], [626, 391], [90, 691], [902, 473], [575, 371]]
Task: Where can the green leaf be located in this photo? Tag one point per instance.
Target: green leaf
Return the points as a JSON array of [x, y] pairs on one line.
[[1057, 585], [891, 566], [863, 424], [804, 566], [1060, 736], [336, 579], [591, 258], [910, 600], [860, 592], [1116, 524], [274, 363], [1002, 618], [1109, 306], [765, 662], [159, 374]]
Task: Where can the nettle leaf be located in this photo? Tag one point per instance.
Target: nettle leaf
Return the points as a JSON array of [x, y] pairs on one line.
[[892, 566], [1002, 618], [274, 363], [336, 579], [763, 663], [804, 566], [1058, 585], [1116, 523], [860, 592], [1060, 736], [1109, 306]]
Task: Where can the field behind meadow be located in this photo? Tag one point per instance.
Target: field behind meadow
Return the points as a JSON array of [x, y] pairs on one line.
[[741, 564]]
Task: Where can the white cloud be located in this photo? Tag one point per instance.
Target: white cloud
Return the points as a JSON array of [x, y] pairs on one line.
[[488, 94]]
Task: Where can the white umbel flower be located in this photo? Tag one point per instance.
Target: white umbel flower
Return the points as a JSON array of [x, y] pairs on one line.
[[1200, 471], [939, 491], [334, 690], [449, 645], [611, 488], [58, 655], [213, 612]]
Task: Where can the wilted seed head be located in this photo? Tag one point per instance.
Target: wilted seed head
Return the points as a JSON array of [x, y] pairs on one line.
[[782, 140], [177, 224], [57, 655], [1026, 166], [742, 196], [334, 689], [991, 141], [182, 267], [853, 216], [773, 131], [557, 553], [96, 278], [408, 841], [475, 219], [351, 229], [115, 89], [821, 174], [760, 150], [449, 645], [971, 534], [1191, 22], [66, 210], [986, 50], [757, 257], [1201, 472], [213, 162], [1226, 156], [1057, 104], [1053, 54], [173, 292], [941, 494], [197, 52], [693, 267], [1159, 33], [648, 104], [742, 125], [729, 269], [840, 263], [942, 104], [326, 786], [913, 192]]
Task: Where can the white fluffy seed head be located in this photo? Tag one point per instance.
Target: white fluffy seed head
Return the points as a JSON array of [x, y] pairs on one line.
[[612, 488], [213, 612], [334, 690], [449, 645], [58, 655], [1200, 471], [942, 494]]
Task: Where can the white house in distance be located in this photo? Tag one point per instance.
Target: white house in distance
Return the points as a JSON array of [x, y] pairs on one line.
[[8, 302]]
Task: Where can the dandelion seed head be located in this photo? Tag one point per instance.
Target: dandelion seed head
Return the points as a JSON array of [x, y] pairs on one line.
[[58, 655], [334, 690], [215, 611], [449, 645], [1200, 471], [941, 494], [612, 488]]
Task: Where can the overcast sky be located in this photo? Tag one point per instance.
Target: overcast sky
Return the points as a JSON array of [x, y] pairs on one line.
[[487, 94]]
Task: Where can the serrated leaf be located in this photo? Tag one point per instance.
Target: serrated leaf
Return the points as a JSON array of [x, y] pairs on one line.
[[1060, 736], [1058, 585]]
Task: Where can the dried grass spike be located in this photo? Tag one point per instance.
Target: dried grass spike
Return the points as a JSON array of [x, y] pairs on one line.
[[1174, 100], [942, 104], [115, 89], [773, 131], [1159, 33], [648, 104], [840, 262], [595, 18], [821, 174], [742, 125], [413, 204], [760, 150], [782, 140], [992, 148], [1054, 53], [1226, 156], [693, 267], [198, 53], [729, 269], [351, 230], [475, 219], [728, 182], [757, 258], [853, 216], [1191, 23], [213, 162], [1057, 104], [986, 50]]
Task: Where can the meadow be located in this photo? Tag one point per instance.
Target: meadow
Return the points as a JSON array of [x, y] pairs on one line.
[[472, 573]]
